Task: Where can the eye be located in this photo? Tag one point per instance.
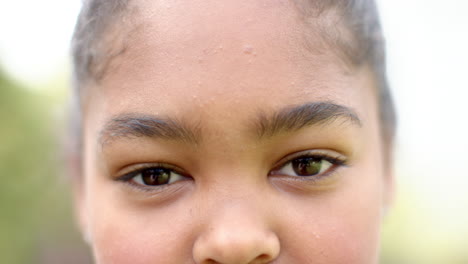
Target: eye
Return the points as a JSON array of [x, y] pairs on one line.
[[307, 166], [310, 164], [157, 176], [152, 176]]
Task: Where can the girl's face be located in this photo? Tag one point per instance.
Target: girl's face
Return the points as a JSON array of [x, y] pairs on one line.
[[217, 135]]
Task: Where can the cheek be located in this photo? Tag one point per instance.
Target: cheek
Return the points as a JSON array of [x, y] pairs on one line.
[[122, 235], [117, 244], [339, 227], [333, 234], [357, 234]]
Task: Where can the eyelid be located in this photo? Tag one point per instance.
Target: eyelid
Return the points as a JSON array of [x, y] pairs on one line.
[[133, 170], [332, 156], [130, 172]]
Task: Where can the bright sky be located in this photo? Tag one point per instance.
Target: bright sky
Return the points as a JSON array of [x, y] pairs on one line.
[[34, 37], [428, 70], [428, 63]]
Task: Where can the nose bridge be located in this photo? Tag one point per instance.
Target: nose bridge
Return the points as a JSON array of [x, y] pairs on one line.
[[236, 231], [238, 212]]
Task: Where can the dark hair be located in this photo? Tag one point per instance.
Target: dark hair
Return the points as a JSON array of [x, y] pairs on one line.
[[355, 31]]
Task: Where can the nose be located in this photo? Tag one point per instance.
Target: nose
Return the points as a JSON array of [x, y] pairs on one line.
[[236, 238]]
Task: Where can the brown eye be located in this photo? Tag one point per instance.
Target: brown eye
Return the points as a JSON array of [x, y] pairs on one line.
[[308, 166], [156, 176], [305, 166]]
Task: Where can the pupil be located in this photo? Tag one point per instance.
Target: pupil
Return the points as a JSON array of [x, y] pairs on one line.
[[156, 176], [307, 166]]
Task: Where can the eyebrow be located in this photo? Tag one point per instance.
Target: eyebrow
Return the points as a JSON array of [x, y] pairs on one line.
[[297, 117], [141, 125], [288, 119]]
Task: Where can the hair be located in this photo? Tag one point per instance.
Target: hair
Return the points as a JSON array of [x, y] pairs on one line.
[[356, 20]]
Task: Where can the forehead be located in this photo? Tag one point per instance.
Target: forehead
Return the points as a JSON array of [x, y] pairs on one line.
[[222, 57], [171, 31]]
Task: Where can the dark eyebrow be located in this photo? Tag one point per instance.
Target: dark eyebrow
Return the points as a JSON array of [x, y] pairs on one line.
[[140, 125], [296, 117]]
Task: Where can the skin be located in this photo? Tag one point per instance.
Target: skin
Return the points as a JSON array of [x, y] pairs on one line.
[[218, 67]]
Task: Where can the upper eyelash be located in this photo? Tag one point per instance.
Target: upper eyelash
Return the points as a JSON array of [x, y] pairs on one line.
[[337, 161], [127, 177], [333, 160], [130, 175]]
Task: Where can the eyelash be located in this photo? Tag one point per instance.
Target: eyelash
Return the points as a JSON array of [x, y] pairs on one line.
[[128, 178], [336, 160]]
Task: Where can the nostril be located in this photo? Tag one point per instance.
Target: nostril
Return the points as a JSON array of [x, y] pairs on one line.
[[261, 259]]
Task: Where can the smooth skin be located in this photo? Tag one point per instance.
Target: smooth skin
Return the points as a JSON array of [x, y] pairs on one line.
[[211, 70]]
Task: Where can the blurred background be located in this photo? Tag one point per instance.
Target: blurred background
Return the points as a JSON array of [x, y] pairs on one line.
[[428, 70]]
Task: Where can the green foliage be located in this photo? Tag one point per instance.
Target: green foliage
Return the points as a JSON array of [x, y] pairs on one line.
[[16, 166], [25, 170]]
